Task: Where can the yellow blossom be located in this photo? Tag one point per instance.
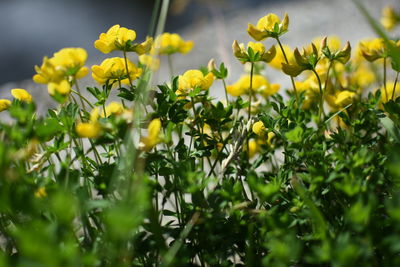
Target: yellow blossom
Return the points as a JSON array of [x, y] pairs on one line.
[[259, 128], [387, 94], [333, 42], [171, 43], [266, 27], [241, 52], [259, 85], [114, 108], [65, 65], [63, 88], [344, 98], [41, 192], [389, 18], [192, 79], [153, 136], [114, 69], [88, 129], [21, 95], [152, 62], [4, 104], [71, 61], [311, 89], [279, 58], [362, 77], [121, 38], [373, 49], [253, 148]]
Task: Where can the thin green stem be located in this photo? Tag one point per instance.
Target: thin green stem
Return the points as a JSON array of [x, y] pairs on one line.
[[395, 84], [249, 111], [321, 100], [127, 69], [384, 78], [226, 92], [79, 94], [287, 62], [82, 97]]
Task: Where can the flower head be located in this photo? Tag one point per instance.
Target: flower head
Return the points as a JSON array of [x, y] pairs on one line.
[[259, 85], [259, 128], [268, 26], [171, 43], [90, 129], [373, 49], [303, 61], [114, 69], [389, 18], [21, 95], [63, 88], [193, 79], [121, 38], [253, 53], [4, 104], [279, 58], [153, 136], [150, 61], [114, 108]]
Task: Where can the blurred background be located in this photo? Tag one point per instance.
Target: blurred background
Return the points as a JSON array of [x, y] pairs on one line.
[[30, 29]]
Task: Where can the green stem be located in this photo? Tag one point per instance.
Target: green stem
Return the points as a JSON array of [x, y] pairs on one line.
[[321, 100], [287, 62], [384, 78], [127, 69], [395, 84], [79, 94], [82, 97], [226, 92], [249, 111]]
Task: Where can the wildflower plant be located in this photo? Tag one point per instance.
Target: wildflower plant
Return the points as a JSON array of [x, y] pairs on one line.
[[166, 175]]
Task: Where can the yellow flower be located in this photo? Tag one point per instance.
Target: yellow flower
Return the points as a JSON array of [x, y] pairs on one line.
[[389, 90], [66, 64], [71, 61], [41, 192], [153, 136], [63, 88], [277, 61], [114, 108], [259, 128], [362, 77], [121, 38], [303, 61], [389, 18], [88, 129], [192, 79], [47, 72], [259, 85], [114, 69], [171, 43], [241, 52], [344, 98], [266, 27], [21, 95], [373, 49], [106, 41], [333, 42], [152, 62], [253, 148], [311, 89], [4, 104]]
